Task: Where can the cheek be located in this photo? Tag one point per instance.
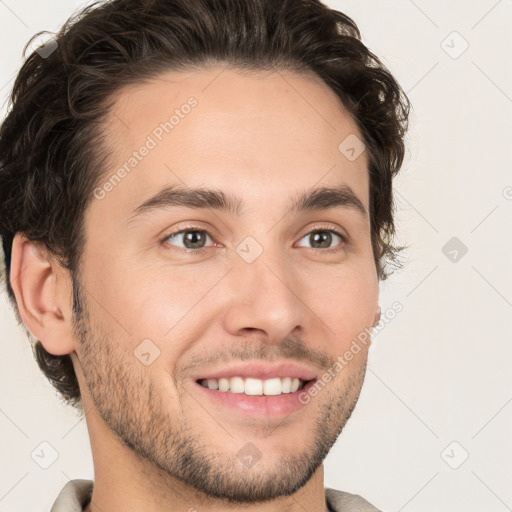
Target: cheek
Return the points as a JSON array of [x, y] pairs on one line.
[[145, 300], [166, 307], [167, 296], [346, 300]]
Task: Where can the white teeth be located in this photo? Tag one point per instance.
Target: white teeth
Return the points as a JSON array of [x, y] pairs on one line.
[[286, 385], [236, 385], [213, 384], [223, 384], [272, 386], [252, 386]]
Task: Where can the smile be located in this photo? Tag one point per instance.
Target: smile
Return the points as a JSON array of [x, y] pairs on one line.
[[252, 386]]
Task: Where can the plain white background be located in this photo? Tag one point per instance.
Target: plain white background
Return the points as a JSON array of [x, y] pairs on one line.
[[439, 386]]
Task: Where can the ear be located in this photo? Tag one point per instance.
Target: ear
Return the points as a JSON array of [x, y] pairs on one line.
[[377, 316], [43, 292]]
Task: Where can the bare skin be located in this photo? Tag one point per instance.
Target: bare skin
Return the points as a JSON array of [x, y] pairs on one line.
[[158, 441]]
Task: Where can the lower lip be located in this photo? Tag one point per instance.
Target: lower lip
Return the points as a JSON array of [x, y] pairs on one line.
[[259, 405]]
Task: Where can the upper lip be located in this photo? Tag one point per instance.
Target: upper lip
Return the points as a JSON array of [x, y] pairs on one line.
[[261, 370]]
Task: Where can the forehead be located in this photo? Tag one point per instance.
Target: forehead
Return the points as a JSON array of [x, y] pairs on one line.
[[255, 133]]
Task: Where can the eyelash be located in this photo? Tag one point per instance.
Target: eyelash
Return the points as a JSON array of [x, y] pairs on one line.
[[204, 250]]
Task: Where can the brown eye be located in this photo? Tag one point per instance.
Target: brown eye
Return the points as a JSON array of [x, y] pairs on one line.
[[323, 238], [191, 238]]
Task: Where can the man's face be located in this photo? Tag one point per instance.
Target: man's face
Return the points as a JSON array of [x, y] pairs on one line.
[[266, 285]]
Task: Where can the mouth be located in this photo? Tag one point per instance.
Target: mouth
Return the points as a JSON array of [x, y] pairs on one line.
[[252, 386], [258, 389], [263, 399]]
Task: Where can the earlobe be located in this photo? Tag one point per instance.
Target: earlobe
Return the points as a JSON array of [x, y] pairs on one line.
[[42, 292], [377, 316]]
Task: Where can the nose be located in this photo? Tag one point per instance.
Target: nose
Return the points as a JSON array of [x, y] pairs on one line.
[[266, 296]]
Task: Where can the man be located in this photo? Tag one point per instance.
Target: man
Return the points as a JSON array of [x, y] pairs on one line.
[[196, 210]]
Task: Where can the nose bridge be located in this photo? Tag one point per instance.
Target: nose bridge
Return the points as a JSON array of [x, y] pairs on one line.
[[265, 297]]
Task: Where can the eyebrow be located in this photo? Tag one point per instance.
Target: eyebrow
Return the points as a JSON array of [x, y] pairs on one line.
[[204, 198]]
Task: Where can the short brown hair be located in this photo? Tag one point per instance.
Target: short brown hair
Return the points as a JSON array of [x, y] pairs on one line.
[[51, 154]]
